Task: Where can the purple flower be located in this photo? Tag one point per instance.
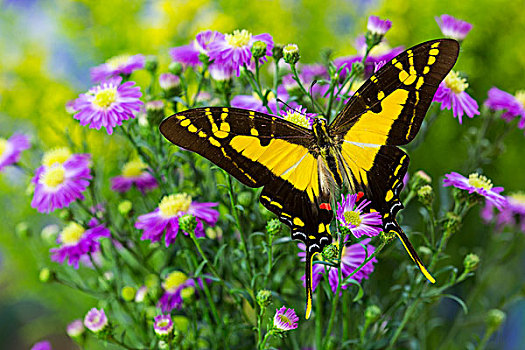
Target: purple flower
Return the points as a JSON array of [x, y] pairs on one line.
[[77, 242], [285, 319], [234, 50], [189, 54], [221, 72], [75, 328], [452, 27], [96, 320], [168, 81], [163, 325], [512, 214], [136, 173], [378, 26], [299, 116], [11, 149], [352, 257], [479, 184], [512, 105], [165, 219], [451, 94], [42, 345], [108, 104], [253, 101], [118, 65], [352, 216], [60, 180], [177, 287]]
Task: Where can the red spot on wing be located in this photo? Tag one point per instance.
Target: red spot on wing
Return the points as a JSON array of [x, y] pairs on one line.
[[325, 206], [359, 196]]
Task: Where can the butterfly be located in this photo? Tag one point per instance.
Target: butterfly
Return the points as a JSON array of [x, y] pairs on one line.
[[299, 168]]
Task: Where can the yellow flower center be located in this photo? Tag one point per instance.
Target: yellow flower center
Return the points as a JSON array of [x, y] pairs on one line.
[[3, 146], [520, 96], [187, 292], [163, 323], [285, 319], [54, 176], [270, 97], [105, 97], [456, 83], [297, 118], [239, 38], [518, 197], [353, 217], [479, 181], [71, 234], [133, 168], [173, 204], [57, 155], [173, 280], [118, 61]]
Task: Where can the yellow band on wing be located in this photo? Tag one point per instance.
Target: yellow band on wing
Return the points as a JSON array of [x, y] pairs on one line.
[[418, 262]]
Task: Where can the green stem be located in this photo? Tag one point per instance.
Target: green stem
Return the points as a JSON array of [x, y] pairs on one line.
[[265, 339], [319, 320], [406, 317], [337, 292], [315, 105], [199, 86]]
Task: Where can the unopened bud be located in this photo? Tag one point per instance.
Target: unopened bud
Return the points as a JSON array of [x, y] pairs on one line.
[[273, 227], [422, 178], [291, 54], [124, 207], [175, 68], [372, 313], [277, 52], [188, 223], [495, 318], [264, 298], [128, 293], [151, 63], [452, 223], [471, 262], [46, 275], [330, 252], [259, 49], [22, 230], [425, 194]]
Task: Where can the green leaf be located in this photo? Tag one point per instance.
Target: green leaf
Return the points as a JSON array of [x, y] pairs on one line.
[[360, 292], [459, 301], [219, 253], [199, 268]]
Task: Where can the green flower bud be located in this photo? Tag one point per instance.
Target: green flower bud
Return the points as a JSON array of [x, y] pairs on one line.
[[258, 49], [244, 198], [387, 237], [471, 262], [188, 223], [214, 232], [163, 345], [273, 227], [22, 230], [452, 223], [358, 68], [264, 298], [46, 275], [205, 59], [330, 252], [49, 233], [291, 54], [151, 281], [155, 111], [277, 52], [65, 215], [422, 178], [128, 293], [345, 231], [124, 207], [151, 63], [495, 318], [175, 68], [187, 293], [425, 194], [372, 313]]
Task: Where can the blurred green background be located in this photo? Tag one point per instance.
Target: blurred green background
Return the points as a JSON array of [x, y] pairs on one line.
[[47, 48]]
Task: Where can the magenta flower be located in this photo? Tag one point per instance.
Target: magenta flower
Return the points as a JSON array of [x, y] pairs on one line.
[[221, 72], [253, 102], [42, 345], [512, 105], [352, 257], [452, 27], [96, 320], [177, 287], [75, 328], [189, 54], [353, 216], [298, 115], [115, 66], [136, 173], [378, 26], [77, 242], [11, 149], [512, 214], [165, 219], [234, 50], [477, 184], [451, 94], [168, 81], [285, 319], [60, 180], [163, 325], [108, 104]]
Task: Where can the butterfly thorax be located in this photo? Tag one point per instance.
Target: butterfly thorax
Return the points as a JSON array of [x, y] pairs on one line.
[[328, 153]]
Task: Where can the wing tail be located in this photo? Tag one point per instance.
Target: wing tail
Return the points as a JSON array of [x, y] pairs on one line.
[[308, 281], [412, 252]]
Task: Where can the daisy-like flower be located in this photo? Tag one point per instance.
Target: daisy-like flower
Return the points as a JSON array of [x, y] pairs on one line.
[[118, 65], [352, 257], [76, 242], [177, 287], [136, 173], [189, 54], [11, 149], [75, 328], [96, 320], [163, 325], [165, 219], [42, 345], [60, 180], [511, 215], [451, 94], [512, 105], [378, 26], [353, 216], [452, 27], [108, 104], [234, 50], [479, 184], [298, 115], [285, 319]]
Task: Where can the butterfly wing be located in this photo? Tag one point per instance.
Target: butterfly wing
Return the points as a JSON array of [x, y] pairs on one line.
[[261, 150], [385, 112]]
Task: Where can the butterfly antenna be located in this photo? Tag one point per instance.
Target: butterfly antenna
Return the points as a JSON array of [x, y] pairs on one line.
[[412, 252], [311, 94], [308, 282], [289, 107]]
